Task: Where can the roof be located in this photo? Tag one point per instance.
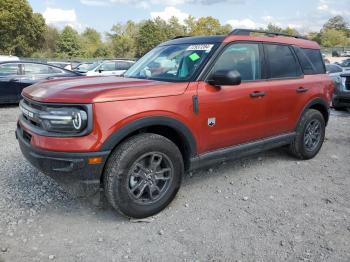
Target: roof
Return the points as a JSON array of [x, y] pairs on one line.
[[281, 39], [302, 43]]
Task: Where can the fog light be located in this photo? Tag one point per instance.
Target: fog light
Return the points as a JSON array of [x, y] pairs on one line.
[[95, 160]]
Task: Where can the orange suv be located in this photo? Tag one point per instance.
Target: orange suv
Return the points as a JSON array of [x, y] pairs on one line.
[[188, 103]]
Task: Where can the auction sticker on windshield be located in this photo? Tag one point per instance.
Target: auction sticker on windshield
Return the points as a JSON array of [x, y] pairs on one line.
[[205, 48]]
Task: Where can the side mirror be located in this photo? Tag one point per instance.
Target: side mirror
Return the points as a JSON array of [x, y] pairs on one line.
[[225, 78], [100, 70]]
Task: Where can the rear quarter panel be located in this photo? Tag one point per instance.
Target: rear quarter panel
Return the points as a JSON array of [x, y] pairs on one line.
[[320, 87]]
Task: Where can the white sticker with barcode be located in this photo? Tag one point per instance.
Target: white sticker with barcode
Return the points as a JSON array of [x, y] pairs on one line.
[[205, 47]]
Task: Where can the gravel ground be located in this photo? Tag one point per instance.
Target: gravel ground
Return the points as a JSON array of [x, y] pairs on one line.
[[267, 207]]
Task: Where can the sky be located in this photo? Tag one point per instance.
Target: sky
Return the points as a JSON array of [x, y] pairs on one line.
[[303, 15]]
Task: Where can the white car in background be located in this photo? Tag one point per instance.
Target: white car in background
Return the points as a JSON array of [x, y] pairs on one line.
[[5, 58], [108, 67]]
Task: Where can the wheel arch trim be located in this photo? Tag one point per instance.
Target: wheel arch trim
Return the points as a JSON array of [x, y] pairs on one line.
[[119, 135], [314, 102]]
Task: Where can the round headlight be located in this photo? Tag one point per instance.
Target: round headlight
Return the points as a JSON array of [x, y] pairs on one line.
[[77, 120]]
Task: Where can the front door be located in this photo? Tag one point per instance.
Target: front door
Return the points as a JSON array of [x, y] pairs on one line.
[[233, 115]]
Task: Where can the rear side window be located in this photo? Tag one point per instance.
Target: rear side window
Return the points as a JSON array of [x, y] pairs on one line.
[[315, 58], [306, 64], [281, 61]]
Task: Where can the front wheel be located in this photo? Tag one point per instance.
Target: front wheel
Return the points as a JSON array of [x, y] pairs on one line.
[[310, 135], [143, 175]]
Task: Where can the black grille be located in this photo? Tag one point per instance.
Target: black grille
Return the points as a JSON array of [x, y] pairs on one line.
[[33, 110]]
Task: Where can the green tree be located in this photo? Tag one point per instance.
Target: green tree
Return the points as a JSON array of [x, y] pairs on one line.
[[206, 26], [150, 34], [103, 51], [148, 37], [123, 39], [190, 24], [91, 41], [315, 36], [333, 38], [21, 30], [51, 36], [273, 28], [175, 28], [69, 44], [336, 22]]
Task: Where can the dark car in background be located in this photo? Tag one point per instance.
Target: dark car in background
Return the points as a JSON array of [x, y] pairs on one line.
[[341, 80], [345, 64], [16, 75], [341, 97]]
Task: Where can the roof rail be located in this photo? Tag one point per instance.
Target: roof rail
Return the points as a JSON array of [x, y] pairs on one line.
[[249, 31]]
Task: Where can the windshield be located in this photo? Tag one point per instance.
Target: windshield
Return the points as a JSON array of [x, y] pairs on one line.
[[83, 67], [173, 63]]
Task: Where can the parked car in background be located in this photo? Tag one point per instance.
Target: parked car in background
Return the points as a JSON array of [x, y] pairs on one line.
[[8, 58], [341, 96], [82, 67], [345, 64], [65, 65], [108, 67], [346, 53], [335, 71], [16, 75]]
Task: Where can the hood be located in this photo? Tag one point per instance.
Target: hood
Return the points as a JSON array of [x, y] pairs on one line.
[[100, 89]]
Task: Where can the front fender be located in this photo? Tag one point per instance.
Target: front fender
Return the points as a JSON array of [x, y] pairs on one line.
[[145, 122]]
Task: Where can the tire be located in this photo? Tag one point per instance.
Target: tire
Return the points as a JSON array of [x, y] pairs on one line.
[[130, 186], [303, 147]]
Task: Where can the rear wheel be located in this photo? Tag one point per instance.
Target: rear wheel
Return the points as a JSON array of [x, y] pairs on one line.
[[143, 175], [310, 135]]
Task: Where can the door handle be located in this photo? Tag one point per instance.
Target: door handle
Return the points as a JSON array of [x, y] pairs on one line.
[[14, 80], [302, 90], [257, 94]]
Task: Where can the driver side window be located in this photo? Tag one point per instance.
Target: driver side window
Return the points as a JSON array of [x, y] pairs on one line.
[[242, 57], [109, 66]]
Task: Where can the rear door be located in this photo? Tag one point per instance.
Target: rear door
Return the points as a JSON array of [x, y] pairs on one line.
[[9, 82], [287, 90]]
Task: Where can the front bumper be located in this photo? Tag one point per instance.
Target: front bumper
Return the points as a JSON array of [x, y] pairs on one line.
[[71, 170]]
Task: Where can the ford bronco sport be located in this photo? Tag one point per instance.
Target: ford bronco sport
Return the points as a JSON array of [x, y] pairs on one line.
[[188, 103]]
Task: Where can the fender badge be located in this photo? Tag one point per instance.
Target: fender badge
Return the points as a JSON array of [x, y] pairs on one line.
[[211, 121]]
